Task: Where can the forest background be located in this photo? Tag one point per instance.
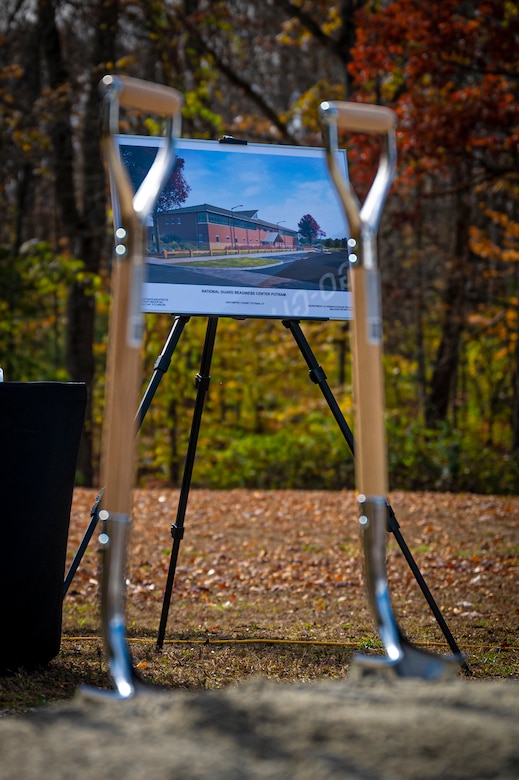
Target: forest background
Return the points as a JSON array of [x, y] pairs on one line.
[[449, 242]]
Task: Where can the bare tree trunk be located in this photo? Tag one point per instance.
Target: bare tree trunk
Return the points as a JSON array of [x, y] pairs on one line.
[[92, 231], [421, 374], [515, 396], [81, 209], [443, 380]]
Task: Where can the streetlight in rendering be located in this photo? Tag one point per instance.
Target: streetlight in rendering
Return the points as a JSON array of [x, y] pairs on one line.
[[239, 206], [279, 234]]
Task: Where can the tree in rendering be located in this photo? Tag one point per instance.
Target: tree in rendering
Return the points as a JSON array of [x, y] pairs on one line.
[[138, 161], [308, 229]]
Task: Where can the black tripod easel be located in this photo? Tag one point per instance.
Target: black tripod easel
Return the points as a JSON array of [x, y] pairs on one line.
[[318, 377]]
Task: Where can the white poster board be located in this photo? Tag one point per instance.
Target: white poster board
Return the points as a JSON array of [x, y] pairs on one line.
[[239, 231]]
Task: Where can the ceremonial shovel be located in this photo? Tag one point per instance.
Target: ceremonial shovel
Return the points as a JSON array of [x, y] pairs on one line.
[[371, 471], [124, 355]]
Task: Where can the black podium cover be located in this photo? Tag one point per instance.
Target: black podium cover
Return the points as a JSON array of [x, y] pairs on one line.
[[40, 431]]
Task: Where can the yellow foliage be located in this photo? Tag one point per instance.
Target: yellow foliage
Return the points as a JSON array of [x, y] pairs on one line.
[[510, 227], [482, 246]]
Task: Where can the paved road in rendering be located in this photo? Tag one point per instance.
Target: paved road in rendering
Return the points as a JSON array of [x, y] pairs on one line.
[[294, 270]]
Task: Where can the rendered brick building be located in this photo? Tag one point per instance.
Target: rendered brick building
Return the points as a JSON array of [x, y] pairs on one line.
[[211, 227]]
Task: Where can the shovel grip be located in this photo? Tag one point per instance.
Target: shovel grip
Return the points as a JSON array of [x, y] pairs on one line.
[[363, 117], [145, 96]]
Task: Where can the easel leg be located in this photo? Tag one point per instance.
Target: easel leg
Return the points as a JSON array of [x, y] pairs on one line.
[[94, 519], [161, 365], [177, 529], [394, 528], [318, 376]]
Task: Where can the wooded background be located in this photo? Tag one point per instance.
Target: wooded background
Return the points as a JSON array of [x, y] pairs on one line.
[[449, 243]]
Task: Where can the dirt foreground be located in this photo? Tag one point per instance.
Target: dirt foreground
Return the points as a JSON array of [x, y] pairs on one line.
[[354, 728]]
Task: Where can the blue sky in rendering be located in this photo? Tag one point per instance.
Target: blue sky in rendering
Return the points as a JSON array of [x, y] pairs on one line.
[[282, 183]]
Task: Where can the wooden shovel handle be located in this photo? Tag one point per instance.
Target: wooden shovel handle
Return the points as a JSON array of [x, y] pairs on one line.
[[363, 117], [145, 96]]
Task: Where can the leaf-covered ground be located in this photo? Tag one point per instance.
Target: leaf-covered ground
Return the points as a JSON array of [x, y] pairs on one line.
[[283, 570], [269, 586]]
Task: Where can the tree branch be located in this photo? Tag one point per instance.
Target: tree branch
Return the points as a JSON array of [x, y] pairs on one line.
[[231, 74]]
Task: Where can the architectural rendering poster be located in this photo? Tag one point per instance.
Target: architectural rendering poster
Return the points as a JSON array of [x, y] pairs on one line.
[[243, 230]]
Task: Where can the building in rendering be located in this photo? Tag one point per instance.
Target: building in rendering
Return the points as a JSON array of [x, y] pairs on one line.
[[211, 227]]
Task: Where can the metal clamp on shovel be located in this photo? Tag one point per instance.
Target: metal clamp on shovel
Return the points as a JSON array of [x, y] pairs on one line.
[[404, 658], [124, 356]]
